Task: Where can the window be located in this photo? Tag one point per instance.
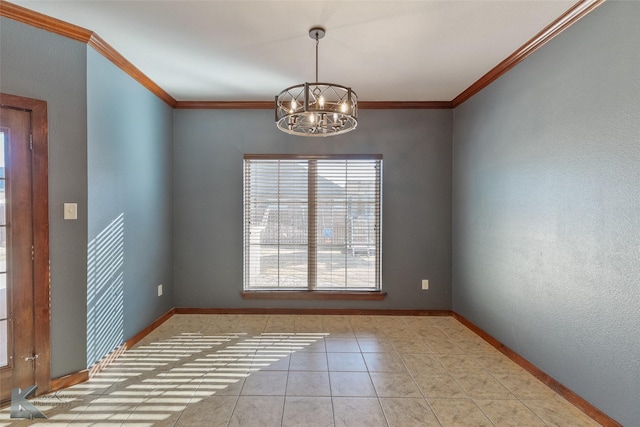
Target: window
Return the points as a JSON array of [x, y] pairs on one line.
[[312, 223]]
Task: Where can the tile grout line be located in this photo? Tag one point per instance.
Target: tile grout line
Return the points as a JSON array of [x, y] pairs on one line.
[[518, 398], [420, 389], [486, 365], [286, 385], [235, 404]]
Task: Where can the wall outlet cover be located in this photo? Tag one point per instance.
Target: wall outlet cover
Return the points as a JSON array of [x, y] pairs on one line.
[[70, 211]]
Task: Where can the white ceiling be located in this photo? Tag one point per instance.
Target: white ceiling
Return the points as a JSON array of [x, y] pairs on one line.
[[250, 50]]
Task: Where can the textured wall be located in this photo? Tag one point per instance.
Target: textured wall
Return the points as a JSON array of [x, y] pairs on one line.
[[130, 192], [208, 152], [38, 64], [546, 198]]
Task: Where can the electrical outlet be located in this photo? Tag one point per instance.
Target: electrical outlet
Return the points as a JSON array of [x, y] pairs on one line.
[[425, 284], [160, 290]]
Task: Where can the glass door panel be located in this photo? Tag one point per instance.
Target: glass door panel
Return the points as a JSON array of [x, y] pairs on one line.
[[4, 300]]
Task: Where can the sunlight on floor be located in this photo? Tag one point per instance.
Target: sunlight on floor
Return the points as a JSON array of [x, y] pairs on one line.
[[242, 370]]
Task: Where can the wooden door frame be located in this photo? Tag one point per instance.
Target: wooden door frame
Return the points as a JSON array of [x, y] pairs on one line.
[[40, 200]]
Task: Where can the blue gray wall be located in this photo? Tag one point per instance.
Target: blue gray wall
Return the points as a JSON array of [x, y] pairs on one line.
[[129, 218], [41, 65], [110, 147], [546, 161], [208, 156], [546, 240]]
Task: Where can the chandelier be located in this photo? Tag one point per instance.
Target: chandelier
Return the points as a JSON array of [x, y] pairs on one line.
[[317, 109]]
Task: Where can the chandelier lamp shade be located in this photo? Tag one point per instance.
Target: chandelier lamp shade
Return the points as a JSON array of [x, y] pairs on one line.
[[317, 109]]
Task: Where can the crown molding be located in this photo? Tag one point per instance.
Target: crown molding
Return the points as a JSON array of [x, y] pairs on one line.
[[570, 17], [224, 105], [106, 50], [404, 105], [65, 29], [39, 20], [44, 22], [268, 105]]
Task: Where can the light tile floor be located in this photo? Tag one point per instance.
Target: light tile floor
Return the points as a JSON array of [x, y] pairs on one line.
[[281, 370]]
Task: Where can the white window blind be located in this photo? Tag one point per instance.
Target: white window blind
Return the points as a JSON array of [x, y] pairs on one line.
[[312, 223]]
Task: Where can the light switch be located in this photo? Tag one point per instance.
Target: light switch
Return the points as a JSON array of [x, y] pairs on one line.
[[70, 211]]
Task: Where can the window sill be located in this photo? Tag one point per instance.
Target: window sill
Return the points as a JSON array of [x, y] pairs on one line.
[[315, 295]]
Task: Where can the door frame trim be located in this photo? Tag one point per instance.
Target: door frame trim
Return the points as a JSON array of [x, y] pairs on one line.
[[41, 273]]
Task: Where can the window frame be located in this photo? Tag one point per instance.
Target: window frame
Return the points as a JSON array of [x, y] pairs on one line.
[[310, 291]]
